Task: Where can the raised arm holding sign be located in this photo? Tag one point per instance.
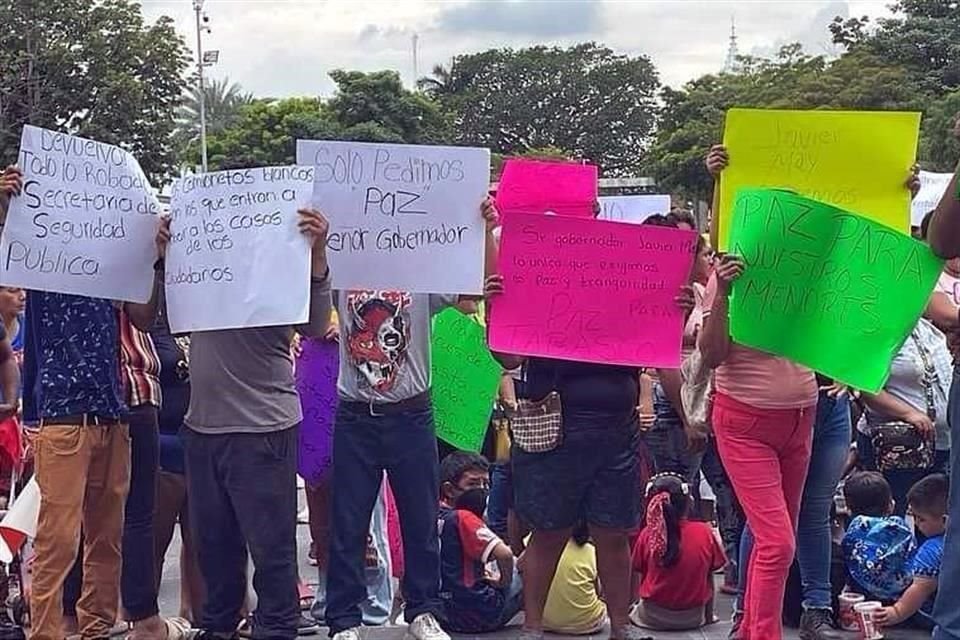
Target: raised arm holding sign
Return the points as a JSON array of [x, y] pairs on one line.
[[397, 212], [591, 291], [821, 154]]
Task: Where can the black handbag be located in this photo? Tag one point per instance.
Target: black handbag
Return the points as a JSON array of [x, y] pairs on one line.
[[900, 445]]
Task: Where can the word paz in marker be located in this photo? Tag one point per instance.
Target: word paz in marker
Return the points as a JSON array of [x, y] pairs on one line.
[[820, 284]]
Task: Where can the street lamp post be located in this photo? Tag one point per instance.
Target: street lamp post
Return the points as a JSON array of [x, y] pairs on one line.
[[201, 25]]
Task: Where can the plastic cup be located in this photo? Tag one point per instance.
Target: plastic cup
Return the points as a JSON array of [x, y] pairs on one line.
[[865, 616], [846, 615]]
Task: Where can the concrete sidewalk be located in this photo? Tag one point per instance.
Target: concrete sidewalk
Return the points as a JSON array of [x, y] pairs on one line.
[[170, 594]]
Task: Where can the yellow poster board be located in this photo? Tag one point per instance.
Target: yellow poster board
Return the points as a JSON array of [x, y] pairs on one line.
[[855, 160]]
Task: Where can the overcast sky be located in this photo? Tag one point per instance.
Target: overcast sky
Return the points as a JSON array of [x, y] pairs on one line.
[[286, 47]]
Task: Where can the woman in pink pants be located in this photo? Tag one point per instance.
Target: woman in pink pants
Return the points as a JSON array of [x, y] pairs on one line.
[[763, 412]]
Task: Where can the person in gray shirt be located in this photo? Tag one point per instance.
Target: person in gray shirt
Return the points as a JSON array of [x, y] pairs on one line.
[[241, 444]]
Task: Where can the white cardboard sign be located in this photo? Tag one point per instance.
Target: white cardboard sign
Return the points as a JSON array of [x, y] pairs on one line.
[[633, 209], [402, 217], [237, 258], [932, 188], [85, 222]]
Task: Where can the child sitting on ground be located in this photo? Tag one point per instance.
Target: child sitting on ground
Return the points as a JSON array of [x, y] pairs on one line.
[[476, 601], [574, 607], [877, 544], [675, 559], [927, 503]]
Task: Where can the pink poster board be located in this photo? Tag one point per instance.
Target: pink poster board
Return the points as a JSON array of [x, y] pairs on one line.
[[534, 186], [591, 290]]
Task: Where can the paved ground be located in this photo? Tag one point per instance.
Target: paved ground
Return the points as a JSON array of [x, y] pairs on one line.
[[170, 593]]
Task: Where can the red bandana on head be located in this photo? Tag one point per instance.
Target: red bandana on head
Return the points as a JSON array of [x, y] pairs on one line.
[[659, 526]]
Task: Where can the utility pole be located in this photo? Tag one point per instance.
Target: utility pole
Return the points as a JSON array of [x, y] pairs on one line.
[[416, 65], [202, 26]]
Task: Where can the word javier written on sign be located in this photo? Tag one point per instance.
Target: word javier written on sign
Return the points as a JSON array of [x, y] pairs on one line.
[[591, 290], [86, 206], [422, 202]]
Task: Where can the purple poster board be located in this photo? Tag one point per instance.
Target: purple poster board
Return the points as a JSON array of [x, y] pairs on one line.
[[316, 375]]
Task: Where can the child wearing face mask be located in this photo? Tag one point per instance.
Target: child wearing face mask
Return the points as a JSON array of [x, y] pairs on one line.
[[480, 585]]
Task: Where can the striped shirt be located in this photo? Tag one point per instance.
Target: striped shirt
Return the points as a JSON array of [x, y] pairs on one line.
[[140, 365]]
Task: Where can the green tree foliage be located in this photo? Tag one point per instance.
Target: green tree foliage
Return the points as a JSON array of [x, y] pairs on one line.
[[376, 106], [586, 100], [923, 36], [92, 68], [692, 117], [265, 133], [940, 142], [368, 107], [222, 101]]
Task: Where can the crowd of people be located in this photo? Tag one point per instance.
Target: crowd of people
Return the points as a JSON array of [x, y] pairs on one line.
[[600, 521]]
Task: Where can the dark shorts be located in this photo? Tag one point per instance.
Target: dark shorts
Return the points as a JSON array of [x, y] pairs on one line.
[[595, 473]]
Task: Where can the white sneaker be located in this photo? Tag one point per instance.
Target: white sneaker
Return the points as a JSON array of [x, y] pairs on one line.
[[426, 627], [348, 634]]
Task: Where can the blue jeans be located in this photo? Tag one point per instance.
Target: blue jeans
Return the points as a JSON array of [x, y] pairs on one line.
[[364, 445], [831, 445], [513, 603], [501, 500], [946, 613], [379, 602]]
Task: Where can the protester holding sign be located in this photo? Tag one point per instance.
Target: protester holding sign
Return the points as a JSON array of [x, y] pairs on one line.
[[82, 450], [763, 414], [676, 447], [589, 461], [763, 420], [241, 442], [803, 220], [385, 421], [140, 370], [945, 241]]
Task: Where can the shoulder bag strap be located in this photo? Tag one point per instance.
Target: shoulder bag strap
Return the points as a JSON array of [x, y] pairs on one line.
[[929, 374]]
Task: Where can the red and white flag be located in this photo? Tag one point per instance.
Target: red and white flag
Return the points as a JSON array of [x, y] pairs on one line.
[[20, 522]]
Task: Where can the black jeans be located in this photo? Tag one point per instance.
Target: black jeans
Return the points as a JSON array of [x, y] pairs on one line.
[[138, 589], [242, 492], [364, 445]]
